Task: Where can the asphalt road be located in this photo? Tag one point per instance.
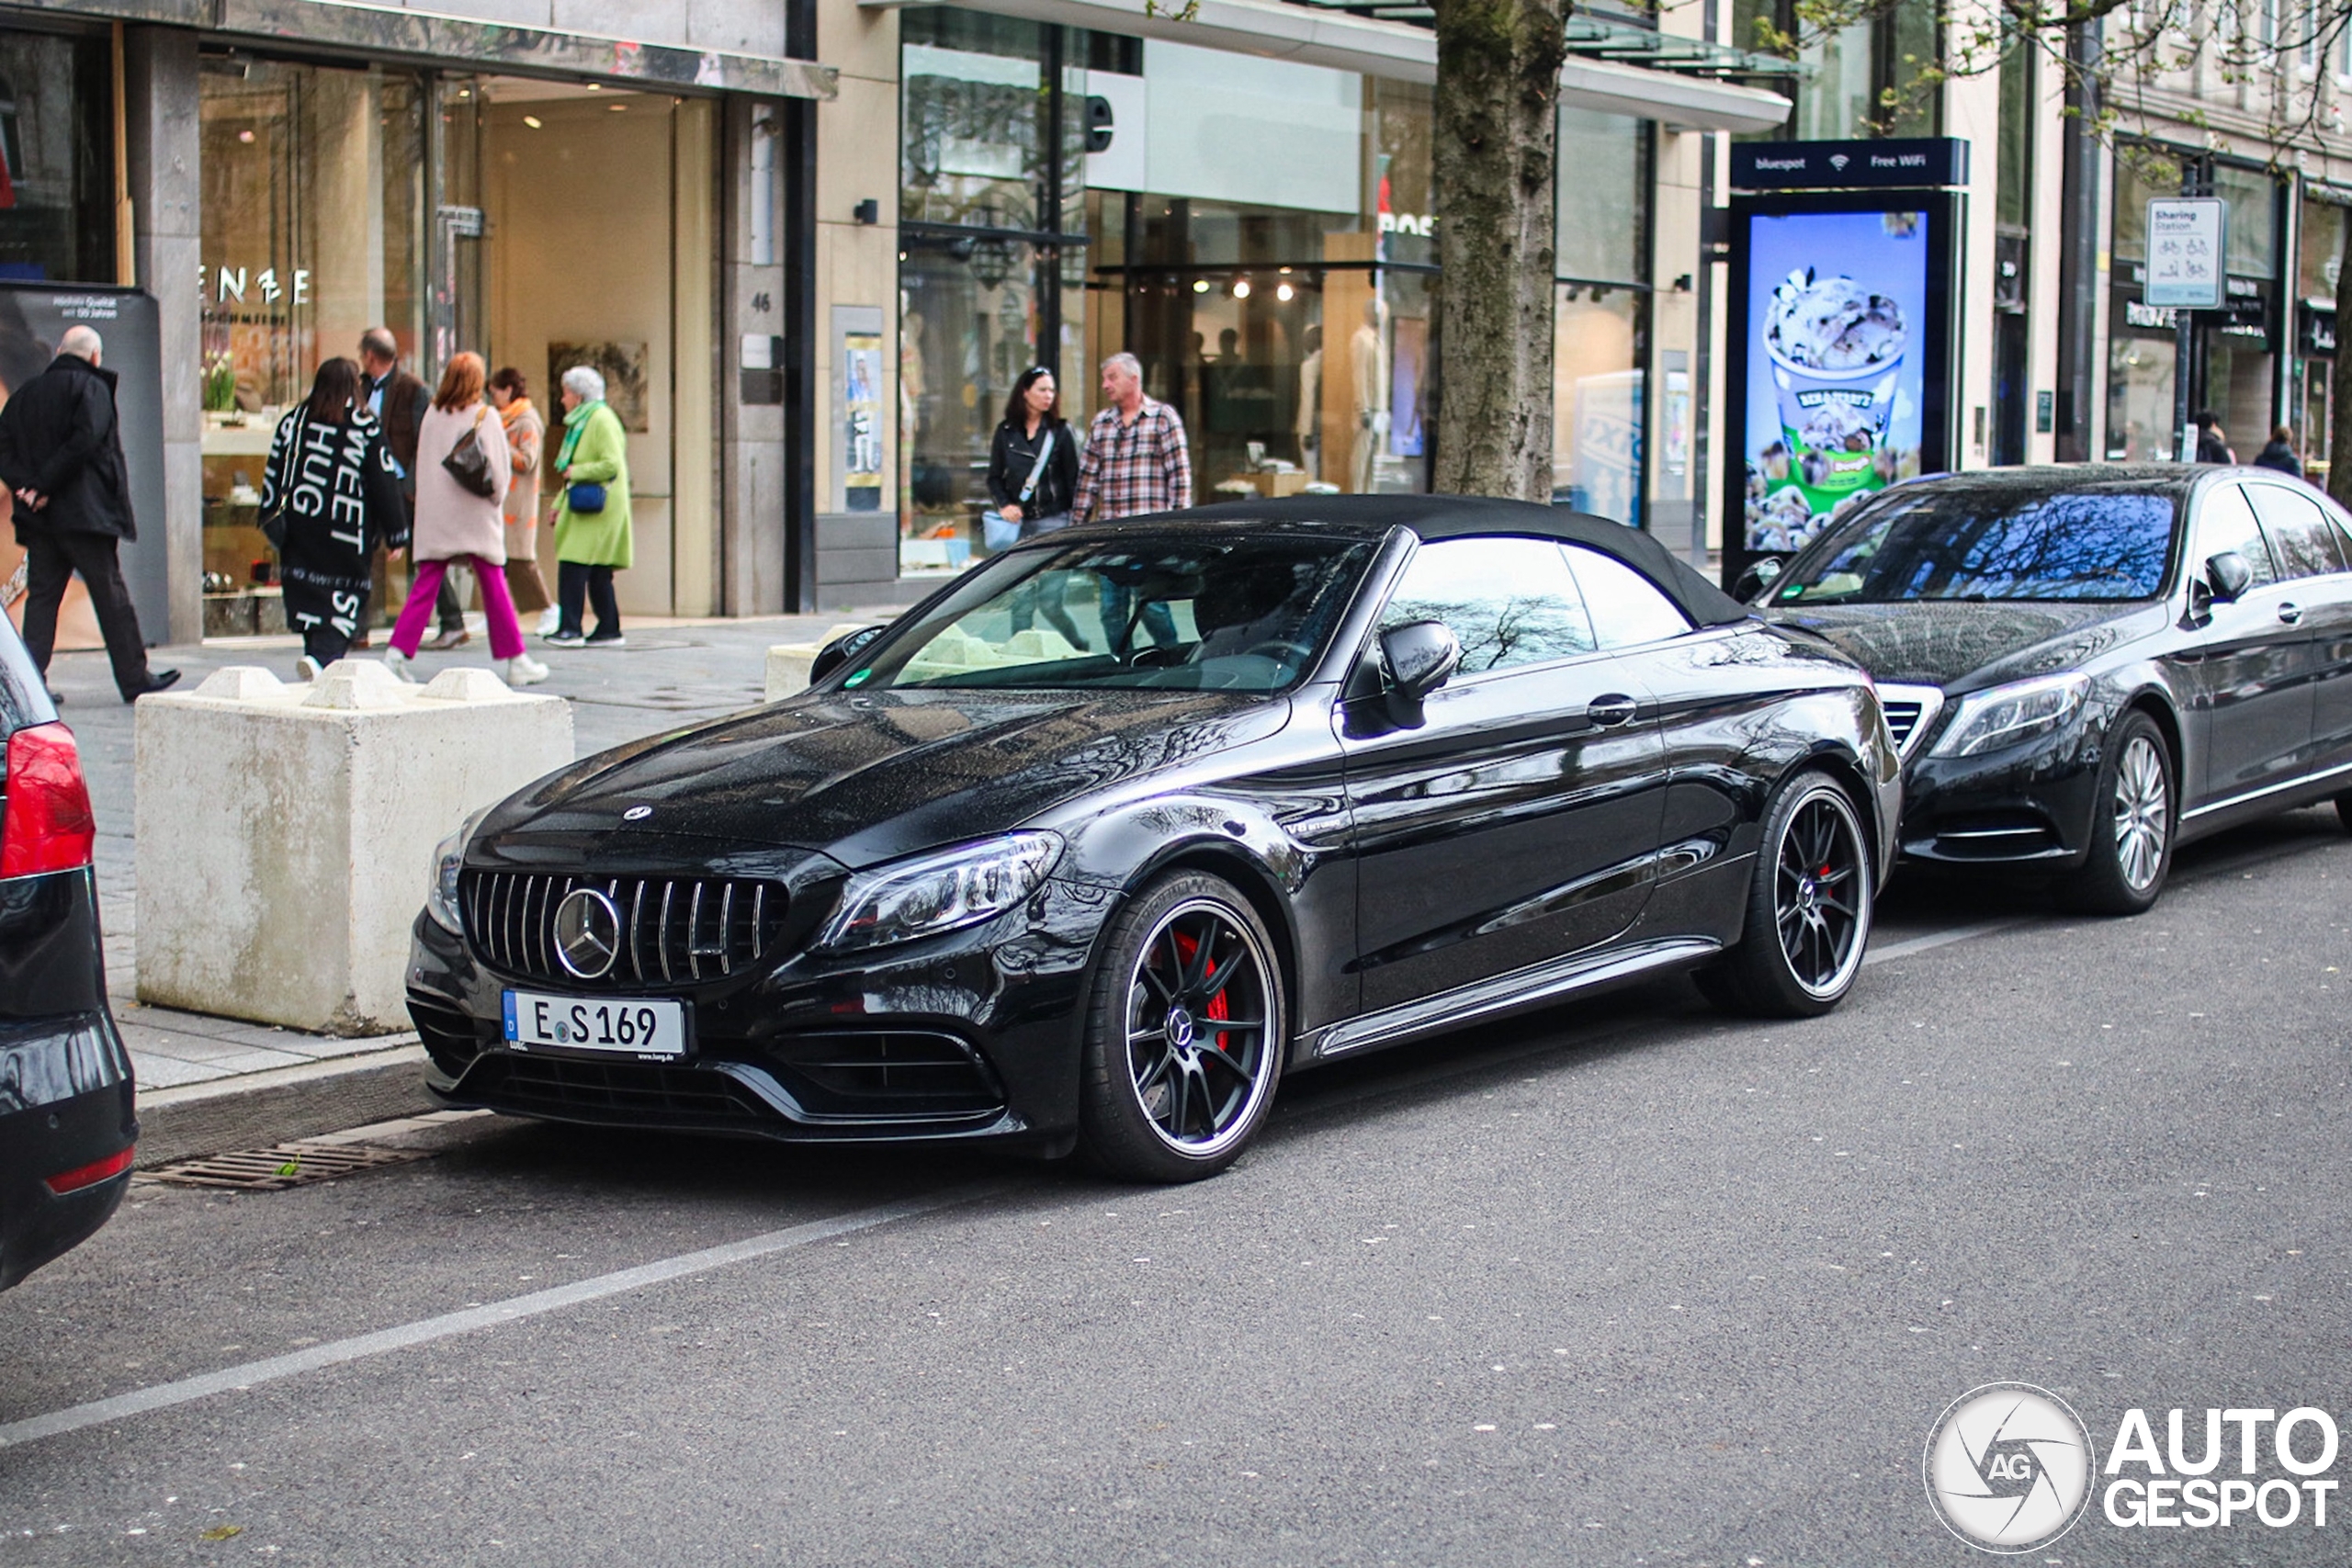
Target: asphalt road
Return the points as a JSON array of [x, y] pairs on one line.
[[1624, 1283]]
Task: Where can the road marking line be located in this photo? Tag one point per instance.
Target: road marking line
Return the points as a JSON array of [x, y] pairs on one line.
[[1910, 945], [161, 1396]]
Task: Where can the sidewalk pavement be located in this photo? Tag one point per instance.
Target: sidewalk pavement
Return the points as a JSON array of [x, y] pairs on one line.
[[210, 1084]]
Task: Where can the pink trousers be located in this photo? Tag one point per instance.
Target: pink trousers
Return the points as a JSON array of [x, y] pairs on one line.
[[505, 631]]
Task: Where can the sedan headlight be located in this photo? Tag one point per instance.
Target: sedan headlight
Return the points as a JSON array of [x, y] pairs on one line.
[[448, 859], [941, 892], [2009, 716]]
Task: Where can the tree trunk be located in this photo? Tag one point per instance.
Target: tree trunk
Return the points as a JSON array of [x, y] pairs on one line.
[[1496, 128], [2340, 387]]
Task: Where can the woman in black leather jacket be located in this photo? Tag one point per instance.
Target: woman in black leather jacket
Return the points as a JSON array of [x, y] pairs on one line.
[[1032, 415], [1036, 495]]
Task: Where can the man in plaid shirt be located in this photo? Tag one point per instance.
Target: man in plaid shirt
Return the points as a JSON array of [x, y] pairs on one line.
[[1135, 460]]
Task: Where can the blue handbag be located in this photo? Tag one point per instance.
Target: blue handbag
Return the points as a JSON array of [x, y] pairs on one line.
[[585, 497]]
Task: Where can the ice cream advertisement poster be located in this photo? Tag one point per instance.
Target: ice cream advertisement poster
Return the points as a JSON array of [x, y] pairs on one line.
[[1837, 314]]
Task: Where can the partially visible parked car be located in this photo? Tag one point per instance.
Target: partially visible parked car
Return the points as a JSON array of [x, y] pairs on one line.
[[2087, 667], [67, 1121]]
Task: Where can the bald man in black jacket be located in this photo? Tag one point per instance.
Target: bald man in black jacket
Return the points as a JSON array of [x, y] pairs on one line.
[[61, 455]]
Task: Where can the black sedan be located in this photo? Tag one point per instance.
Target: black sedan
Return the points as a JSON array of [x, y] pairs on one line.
[[2089, 667], [1097, 843], [67, 1121]]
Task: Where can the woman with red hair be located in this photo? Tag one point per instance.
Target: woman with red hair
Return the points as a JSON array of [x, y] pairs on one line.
[[463, 471]]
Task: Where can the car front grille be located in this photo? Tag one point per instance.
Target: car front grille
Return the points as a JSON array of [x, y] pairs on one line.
[[672, 929], [1910, 714], [630, 1094]]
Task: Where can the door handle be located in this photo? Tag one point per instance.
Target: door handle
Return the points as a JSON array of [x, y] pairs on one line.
[[2290, 613], [1607, 713]]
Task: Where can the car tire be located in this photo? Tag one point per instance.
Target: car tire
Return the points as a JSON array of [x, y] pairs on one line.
[[2132, 824], [1183, 1052], [2344, 811], [1809, 903]]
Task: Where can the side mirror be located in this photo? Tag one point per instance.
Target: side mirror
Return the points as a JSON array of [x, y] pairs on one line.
[[1420, 655], [1758, 578], [2229, 574], [840, 651]]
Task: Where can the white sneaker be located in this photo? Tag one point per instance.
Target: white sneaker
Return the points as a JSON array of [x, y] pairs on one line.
[[306, 669], [549, 620], [522, 670], [399, 664]]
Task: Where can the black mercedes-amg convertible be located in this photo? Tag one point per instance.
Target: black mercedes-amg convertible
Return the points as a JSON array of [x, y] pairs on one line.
[[1094, 845]]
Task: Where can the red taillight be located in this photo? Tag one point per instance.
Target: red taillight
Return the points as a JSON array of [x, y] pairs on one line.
[[47, 825], [89, 1175]]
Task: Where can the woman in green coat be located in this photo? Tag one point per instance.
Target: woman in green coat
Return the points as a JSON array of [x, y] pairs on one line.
[[591, 527]]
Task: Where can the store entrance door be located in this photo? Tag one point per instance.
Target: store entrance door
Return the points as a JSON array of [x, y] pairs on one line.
[[597, 231]]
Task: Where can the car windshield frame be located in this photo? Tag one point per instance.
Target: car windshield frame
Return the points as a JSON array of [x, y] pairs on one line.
[[1789, 589], [1138, 658]]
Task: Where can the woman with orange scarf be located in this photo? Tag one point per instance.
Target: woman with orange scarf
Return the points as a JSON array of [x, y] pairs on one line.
[[525, 435]]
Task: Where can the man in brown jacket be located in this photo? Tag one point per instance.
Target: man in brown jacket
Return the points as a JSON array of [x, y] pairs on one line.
[[399, 401]]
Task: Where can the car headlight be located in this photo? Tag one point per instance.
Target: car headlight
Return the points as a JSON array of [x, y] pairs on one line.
[[448, 859], [2009, 716], [940, 892]]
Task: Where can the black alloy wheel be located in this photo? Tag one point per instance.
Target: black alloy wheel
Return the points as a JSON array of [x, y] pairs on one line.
[[2131, 824], [1185, 1035], [1809, 904]]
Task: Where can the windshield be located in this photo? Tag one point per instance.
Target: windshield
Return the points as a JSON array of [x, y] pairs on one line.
[[1229, 614], [1962, 542]]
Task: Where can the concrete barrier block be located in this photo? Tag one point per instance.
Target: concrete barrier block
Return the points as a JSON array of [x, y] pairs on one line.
[[286, 832], [788, 661]]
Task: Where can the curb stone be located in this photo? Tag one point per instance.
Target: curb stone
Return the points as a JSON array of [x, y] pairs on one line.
[[255, 1110]]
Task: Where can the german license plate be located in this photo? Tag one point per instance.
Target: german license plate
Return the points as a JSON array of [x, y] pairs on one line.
[[629, 1026]]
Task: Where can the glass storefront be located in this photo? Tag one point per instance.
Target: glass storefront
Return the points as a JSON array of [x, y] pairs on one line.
[[2319, 261], [56, 158], [1286, 307], [539, 223], [312, 197], [991, 169], [1599, 397]]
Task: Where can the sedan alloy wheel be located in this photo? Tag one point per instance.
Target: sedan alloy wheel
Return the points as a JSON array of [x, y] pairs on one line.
[[2142, 813]]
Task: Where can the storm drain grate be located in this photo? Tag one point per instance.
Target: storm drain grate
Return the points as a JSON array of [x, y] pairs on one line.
[[282, 1164]]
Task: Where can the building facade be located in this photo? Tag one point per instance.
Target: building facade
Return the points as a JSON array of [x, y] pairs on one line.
[[813, 243]]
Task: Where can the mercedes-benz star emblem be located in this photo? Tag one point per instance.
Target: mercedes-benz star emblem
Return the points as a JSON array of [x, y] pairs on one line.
[[637, 814], [587, 933]]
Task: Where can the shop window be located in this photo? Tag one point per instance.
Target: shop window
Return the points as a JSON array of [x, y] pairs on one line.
[[2140, 400], [967, 328], [1838, 97], [312, 191], [1602, 210], [977, 145], [56, 159], [2252, 243], [1599, 402], [2321, 256]]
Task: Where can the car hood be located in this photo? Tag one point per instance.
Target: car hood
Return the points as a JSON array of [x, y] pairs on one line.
[[870, 776], [1965, 645]]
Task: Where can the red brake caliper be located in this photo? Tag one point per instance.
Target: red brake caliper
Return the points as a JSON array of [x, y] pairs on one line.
[[1186, 947]]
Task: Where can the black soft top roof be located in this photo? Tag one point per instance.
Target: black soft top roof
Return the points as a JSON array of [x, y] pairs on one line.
[[1451, 516]]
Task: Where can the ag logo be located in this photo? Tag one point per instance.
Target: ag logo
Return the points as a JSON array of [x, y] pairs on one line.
[[2008, 1467]]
